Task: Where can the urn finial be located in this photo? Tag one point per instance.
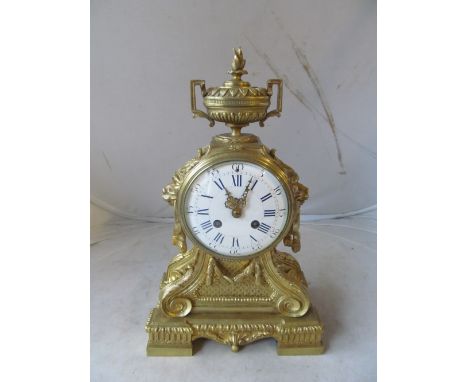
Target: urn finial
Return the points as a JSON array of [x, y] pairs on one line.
[[236, 103]]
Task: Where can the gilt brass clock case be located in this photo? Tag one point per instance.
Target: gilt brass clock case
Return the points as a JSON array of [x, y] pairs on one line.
[[254, 153], [239, 299]]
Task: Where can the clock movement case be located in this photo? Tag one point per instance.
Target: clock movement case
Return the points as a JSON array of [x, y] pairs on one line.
[[234, 300]]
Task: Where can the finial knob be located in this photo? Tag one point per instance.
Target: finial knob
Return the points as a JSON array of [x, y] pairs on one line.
[[238, 63]]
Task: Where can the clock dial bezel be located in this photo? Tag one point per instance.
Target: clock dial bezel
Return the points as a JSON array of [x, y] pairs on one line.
[[214, 161]]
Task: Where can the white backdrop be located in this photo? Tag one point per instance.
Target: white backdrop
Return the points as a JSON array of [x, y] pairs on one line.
[[145, 52]]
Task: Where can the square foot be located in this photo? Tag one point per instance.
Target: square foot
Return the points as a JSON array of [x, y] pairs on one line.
[[168, 351], [299, 350]]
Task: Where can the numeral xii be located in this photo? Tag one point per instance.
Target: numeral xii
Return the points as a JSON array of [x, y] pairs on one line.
[[237, 180]]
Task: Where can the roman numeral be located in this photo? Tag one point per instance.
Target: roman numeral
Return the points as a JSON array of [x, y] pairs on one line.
[[253, 238], [237, 180], [204, 211], [265, 197], [278, 190], [269, 213], [264, 228], [251, 188], [235, 242], [219, 237], [207, 226], [220, 184], [207, 196]]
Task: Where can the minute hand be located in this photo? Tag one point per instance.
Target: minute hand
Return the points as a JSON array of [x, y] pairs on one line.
[[246, 191]]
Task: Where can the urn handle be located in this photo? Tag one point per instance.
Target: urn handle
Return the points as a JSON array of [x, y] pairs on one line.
[[279, 99], [195, 111]]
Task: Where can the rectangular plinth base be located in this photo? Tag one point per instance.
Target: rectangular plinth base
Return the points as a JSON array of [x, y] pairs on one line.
[[173, 336]]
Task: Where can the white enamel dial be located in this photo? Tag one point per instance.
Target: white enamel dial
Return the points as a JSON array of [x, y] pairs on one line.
[[236, 208]]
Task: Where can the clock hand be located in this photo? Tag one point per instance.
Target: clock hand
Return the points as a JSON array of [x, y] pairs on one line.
[[231, 201], [242, 200], [246, 191], [237, 204], [228, 194]]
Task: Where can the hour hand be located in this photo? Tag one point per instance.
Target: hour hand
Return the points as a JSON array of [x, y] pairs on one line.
[[234, 204], [231, 202]]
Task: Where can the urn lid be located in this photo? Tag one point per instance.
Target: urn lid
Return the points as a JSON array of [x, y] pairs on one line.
[[236, 87]]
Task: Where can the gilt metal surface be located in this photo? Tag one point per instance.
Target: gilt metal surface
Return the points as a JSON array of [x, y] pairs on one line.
[[234, 300]]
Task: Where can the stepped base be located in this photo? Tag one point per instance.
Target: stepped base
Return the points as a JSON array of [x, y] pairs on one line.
[[173, 336]]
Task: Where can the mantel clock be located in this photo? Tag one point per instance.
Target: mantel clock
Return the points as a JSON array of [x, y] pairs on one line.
[[235, 202]]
